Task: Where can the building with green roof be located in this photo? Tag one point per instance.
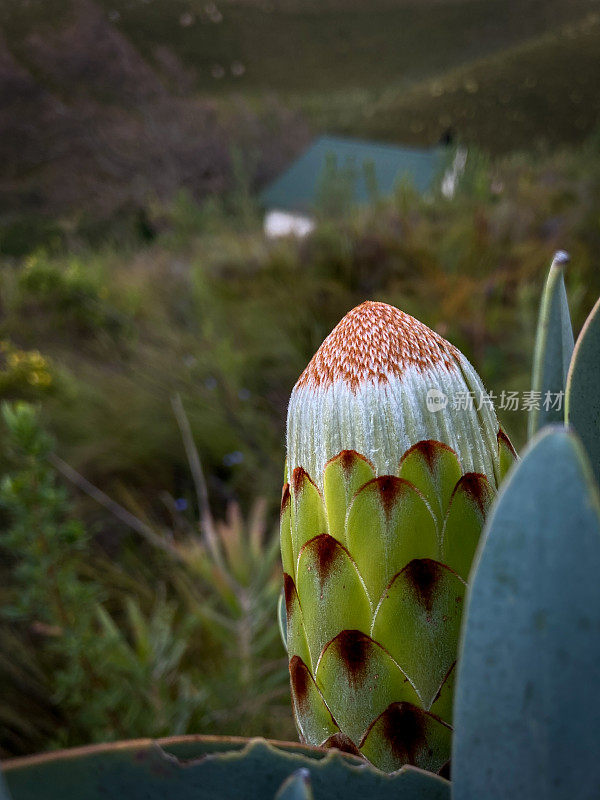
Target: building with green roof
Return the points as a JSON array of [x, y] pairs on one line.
[[335, 173]]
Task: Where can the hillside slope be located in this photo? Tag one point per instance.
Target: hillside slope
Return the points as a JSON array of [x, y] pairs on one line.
[[106, 105], [87, 124], [304, 45], [540, 93]]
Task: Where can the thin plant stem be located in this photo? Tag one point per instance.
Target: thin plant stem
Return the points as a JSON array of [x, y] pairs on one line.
[[111, 505]]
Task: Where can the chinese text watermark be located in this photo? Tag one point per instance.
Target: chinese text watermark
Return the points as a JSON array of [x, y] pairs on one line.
[[505, 401]]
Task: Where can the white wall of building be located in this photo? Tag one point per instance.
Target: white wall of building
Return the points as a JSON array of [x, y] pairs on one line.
[[285, 223]]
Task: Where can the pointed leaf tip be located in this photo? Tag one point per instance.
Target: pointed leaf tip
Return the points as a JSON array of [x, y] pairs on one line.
[[470, 503], [285, 497], [561, 257], [507, 455], [433, 468], [343, 477], [331, 592], [307, 514], [339, 741], [389, 524], [281, 619], [418, 622], [295, 638], [285, 531], [553, 350]]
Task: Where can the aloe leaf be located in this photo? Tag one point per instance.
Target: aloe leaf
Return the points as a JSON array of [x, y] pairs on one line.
[[296, 787], [553, 346], [527, 709], [4, 795], [583, 388], [235, 769]]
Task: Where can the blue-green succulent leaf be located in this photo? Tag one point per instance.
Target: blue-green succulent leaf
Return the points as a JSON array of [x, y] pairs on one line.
[[583, 388], [527, 707], [553, 348], [209, 768], [4, 795]]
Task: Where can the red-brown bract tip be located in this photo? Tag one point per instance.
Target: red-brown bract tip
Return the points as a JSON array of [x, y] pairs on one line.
[[374, 342]]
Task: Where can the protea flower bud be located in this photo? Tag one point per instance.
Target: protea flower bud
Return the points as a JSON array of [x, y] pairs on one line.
[[389, 486]]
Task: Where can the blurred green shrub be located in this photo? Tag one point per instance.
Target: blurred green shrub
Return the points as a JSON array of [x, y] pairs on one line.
[[184, 218], [71, 295], [96, 661], [44, 545], [23, 373], [228, 319], [239, 566], [29, 232]]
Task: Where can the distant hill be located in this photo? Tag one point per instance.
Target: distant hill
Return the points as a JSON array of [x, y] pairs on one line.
[[326, 45], [88, 125], [106, 104], [540, 93]]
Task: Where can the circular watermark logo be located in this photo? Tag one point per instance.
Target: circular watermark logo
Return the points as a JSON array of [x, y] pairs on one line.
[[436, 400]]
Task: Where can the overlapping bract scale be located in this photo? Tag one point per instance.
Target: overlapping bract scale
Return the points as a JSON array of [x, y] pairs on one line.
[[331, 592], [418, 622], [296, 642], [375, 576], [342, 478], [357, 677], [405, 734], [314, 720], [433, 468], [388, 524], [470, 502]]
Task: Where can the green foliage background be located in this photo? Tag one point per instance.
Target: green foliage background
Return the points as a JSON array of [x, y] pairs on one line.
[[105, 634]]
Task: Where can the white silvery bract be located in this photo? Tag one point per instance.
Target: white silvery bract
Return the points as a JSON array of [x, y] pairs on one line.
[[366, 389]]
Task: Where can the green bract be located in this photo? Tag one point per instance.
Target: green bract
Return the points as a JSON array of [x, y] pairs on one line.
[[376, 552], [374, 601]]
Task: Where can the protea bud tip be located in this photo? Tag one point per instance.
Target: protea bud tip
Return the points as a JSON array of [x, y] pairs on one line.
[[381, 382]]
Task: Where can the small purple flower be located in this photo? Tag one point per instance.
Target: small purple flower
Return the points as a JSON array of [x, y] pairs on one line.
[[231, 459]]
